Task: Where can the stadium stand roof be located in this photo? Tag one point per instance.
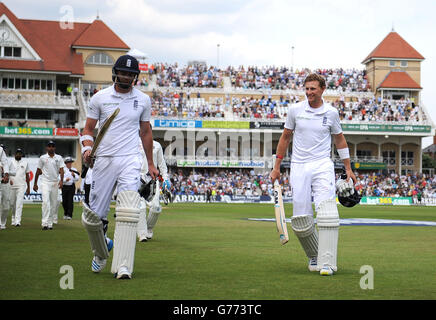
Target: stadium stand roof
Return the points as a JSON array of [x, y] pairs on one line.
[[395, 47], [430, 149], [399, 80], [98, 34], [53, 44]]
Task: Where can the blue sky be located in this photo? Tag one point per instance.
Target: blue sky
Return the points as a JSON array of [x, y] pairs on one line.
[[328, 33]]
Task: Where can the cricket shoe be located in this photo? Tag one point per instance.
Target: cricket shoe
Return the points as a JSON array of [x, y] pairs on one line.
[[123, 273], [143, 238], [149, 234], [98, 264], [110, 244], [326, 271], [313, 264]]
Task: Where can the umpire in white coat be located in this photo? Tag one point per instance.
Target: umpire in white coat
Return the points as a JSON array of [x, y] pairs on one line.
[[50, 166], [71, 176], [312, 123]]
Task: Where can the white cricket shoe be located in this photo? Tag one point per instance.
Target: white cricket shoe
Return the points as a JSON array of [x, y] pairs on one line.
[[123, 273], [98, 264], [326, 271], [143, 238], [149, 234], [313, 264]]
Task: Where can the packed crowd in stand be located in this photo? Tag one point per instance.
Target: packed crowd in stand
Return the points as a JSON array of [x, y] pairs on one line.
[[196, 75], [190, 105], [255, 77], [378, 110], [226, 182], [394, 185], [282, 78], [181, 105], [247, 182]]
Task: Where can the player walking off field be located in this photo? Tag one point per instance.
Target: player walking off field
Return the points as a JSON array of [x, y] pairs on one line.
[[4, 188], [311, 124], [117, 165], [19, 177], [147, 223], [50, 166]]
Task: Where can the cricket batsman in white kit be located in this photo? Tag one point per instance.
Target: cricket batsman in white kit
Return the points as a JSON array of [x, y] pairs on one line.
[[311, 124], [147, 223], [117, 165]]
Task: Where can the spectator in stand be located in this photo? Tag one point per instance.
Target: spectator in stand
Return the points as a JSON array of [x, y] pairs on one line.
[[242, 182]]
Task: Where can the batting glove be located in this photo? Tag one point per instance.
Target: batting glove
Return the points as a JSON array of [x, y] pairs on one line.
[[345, 188]]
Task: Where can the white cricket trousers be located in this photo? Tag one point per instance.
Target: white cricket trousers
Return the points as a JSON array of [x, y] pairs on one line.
[[315, 178], [49, 191], [5, 191], [109, 173], [17, 199]]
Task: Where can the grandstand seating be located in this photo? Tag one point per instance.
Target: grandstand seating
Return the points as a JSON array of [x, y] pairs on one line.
[[247, 182], [179, 92]]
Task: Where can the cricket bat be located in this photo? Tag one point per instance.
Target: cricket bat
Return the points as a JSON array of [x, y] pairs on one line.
[[280, 213], [101, 134]]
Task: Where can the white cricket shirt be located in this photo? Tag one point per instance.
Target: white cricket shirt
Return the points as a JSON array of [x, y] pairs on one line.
[[122, 138], [69, 175], [17, 172], [50, 167], [4, 161], [158, 160], [312, 128]]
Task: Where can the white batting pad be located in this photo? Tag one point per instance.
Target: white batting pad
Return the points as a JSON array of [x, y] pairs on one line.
[[155, 209], [94, 226], [126, 222], [304, 228], [328, 229], [142, 223]]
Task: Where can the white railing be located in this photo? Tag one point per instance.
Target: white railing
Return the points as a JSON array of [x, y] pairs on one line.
[[364, 159], [36, 99], [260, 91]]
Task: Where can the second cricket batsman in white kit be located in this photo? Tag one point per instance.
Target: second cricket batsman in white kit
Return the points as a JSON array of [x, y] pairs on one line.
[[147, 223], [312, 123], [117, 165]]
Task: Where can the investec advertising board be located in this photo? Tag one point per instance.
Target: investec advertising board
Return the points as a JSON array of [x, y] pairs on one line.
[[385, 128]]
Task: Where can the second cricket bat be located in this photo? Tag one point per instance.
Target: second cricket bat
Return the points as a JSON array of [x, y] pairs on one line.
[[280, 213]]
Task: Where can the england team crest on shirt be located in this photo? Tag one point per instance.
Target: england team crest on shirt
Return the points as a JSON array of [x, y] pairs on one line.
[[324, 121], [135, 104]]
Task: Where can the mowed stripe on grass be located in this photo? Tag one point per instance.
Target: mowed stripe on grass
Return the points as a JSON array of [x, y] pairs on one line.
[[211, 251]]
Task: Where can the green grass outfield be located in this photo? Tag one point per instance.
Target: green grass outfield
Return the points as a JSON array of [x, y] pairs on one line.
[[212, 252]]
